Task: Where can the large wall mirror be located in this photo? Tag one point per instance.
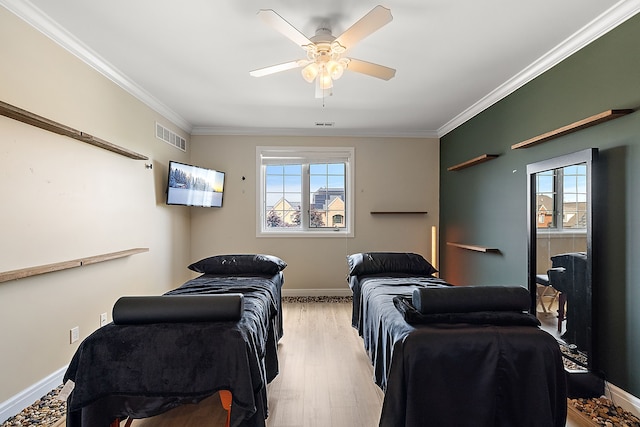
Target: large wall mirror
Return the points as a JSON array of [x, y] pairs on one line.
[[561, 261]]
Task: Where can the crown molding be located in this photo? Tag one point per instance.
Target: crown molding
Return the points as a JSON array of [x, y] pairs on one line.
[[41, 22], [608, 20], [604, 23], [347, 133]]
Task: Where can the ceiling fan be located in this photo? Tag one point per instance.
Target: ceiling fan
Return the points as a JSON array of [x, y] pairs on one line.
[[325, 61]]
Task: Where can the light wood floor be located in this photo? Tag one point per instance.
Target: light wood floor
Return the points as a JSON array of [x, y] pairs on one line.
[[325, 377]]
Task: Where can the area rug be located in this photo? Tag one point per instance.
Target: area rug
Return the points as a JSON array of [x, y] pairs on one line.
[[573, 359], [603, 412], [47, 411], [317, 299]]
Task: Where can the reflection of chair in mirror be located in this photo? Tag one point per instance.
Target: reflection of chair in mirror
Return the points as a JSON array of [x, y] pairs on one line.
[[553, 275], [569, 276], [546, 291]]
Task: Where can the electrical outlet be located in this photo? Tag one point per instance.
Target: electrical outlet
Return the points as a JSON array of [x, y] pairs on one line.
[[103, 319], [75, 334]]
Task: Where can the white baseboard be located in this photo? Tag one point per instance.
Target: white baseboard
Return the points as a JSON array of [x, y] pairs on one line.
[[26, 397], [622, 398], [331, 292]]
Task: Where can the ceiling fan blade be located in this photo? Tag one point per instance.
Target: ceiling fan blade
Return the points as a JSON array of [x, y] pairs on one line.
[[276, 21], [278, 68], [377, 18], [371, 69]]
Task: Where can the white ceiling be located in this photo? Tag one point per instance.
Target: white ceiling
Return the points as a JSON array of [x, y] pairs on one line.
[[190, 59]]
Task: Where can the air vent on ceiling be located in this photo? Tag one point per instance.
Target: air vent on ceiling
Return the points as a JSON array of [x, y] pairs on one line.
[[170, 137], [325, 124]]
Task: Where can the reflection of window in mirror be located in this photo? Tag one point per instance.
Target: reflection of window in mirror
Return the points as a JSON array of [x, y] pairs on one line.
[[561, 196], [574, 196]]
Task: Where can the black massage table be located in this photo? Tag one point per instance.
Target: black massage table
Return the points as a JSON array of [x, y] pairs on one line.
[[142, 369], [493, 369]]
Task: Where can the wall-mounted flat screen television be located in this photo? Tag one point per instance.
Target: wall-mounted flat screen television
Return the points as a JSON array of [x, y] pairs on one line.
[[190, 185]]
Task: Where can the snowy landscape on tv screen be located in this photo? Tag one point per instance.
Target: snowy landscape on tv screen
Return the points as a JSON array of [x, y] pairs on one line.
[[194, 186]]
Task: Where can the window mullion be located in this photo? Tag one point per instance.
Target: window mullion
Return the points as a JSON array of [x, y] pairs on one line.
[[306, 202], [560, 199]]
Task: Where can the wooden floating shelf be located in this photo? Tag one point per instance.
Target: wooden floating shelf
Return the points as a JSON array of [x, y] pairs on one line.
[[65, 265], [399, 212], [475, 161], [29, 118], [474, 248], [573, 127]]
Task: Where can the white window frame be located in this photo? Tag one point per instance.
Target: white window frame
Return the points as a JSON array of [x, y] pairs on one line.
[[283, 154], [558, 208]]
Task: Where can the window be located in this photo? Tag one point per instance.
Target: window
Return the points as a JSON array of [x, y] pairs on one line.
[[561, 196], [305, 191]]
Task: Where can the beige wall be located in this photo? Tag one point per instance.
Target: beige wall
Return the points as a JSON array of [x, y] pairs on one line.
[[61, 199], [391, 174]]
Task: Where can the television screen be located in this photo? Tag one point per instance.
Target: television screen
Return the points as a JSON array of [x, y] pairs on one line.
[[194, 186]]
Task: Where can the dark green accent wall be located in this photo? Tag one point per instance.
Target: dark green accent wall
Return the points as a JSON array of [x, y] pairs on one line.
[[486, 204]]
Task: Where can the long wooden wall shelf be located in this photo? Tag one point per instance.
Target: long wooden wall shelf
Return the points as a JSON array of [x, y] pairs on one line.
[[65, 265], [475, 161], [29, 118], [399, 212], [573, 127], [474, 248]]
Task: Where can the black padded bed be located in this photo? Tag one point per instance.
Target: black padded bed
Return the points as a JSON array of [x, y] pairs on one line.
[[138, 369], [476, 363]]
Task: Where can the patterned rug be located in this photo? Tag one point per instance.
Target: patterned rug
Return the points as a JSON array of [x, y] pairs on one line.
[[46, 411], [603, 412], [303, 300], [574, 360]]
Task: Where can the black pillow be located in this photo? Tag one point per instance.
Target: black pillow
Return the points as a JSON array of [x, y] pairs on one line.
[[138, 310], [239, 264], [365, 263], [467, 299]]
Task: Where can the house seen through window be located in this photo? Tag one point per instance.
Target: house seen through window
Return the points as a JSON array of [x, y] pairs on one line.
[[305, 190], [561, 196]]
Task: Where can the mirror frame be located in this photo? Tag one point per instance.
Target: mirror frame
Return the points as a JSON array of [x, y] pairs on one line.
[[581, 383]]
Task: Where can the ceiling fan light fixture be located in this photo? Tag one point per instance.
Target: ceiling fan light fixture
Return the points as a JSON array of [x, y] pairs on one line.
[[310, 72], [336, 47], [324, 62], [312, 51], [324, 79], [321, 90], [335, 69]]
